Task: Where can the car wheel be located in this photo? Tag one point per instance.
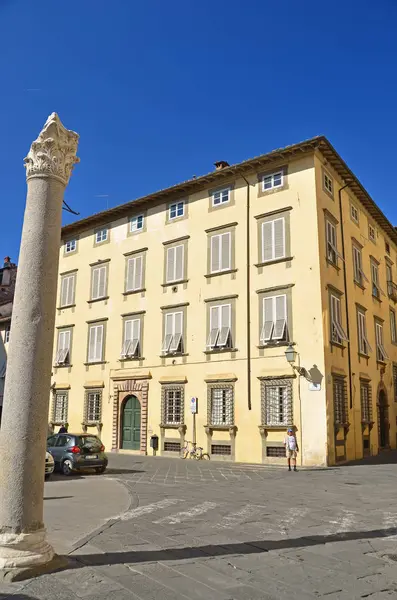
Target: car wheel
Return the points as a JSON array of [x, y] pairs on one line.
[[100, 469], [67, 467]]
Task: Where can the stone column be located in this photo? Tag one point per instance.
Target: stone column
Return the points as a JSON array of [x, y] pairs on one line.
[[27, 388]]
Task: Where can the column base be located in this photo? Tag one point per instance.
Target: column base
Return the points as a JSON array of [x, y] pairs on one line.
[[20, 550]]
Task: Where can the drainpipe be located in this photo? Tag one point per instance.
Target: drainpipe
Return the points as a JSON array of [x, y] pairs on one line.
[[248, 286]]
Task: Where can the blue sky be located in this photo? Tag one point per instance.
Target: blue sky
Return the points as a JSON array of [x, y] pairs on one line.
[[160, 90]]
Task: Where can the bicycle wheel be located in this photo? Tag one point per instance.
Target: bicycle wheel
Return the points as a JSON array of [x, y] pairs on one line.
[[183, 452], [205, 456]]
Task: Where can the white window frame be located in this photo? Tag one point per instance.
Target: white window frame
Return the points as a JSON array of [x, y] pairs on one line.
[[70, 246], [363, 344], [221, 336], [63, 347], [131, 345], [220, 197], [134, 223], [173, 250], [332, 244], [338, 334], [220, 237], [276, 332], [174, 207], [172, 342], [134, 260], [95, 293], [354, 213], [101, 235], [69, 281], [273, 225], [328, 183], [381, 354], [95, 358], [371, 233], [271, 179]]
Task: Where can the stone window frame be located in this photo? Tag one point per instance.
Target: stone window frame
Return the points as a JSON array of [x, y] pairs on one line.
[[97, 230], [340, 400], [168, 219], [229, 386], [336, 318], [353, 218], [134, 254], [269, 293], [231, 201], [138, 315], [332, 254], [92, 422], [68, 360], [376, 288], [181, 241], [63, 276], [136, 215], [220, 230], [362, 332], [381, 353], [56, 393], [372, 238], [282, 213], [272, 382], [68, 240], [366, 401], [357, 250], [211, 302], [261, 176], [91, 324], [100, 264], [175, 308], [325, 174], [172, 387]]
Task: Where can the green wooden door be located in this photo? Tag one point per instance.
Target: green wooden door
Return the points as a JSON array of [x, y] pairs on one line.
[[131, 425]]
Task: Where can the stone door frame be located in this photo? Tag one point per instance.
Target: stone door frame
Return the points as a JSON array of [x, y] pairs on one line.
[[122, 389]]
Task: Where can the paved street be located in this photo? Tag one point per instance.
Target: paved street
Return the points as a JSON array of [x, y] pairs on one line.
[[172, 529]]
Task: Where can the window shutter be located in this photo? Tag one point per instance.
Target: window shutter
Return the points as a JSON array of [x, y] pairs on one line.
[[279, 238], [215, 321], [179, 255], [170, 264], [267, 241], [215, 253], [178, 323], [102, 282], [99, 340], [268, 318], [226, 239], [91, 344], [128, 330], [137, 280], [281, 316], [225, 315], [95, 284], [70, 292], [130, 273], [64, 291], [66, 340]]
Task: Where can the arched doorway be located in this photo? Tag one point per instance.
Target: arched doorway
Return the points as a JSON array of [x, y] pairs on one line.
[[131, 424], [383, 420]]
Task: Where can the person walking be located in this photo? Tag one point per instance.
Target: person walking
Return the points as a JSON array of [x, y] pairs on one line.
[[64, 428], [291, 448]]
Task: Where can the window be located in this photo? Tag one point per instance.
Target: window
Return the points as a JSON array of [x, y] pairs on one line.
[[101, 235], [328, 184], [136, 223], [376, 291], [363, 344], [60, 409], [172, 405], [395, 382], [354, 214], [337, 333], [132, 337], [393, 326], [381, 354], [70, 246], [7, 334], [176, 210], [221, 197], [359, 275], [68, 283], [371, 233], [221, 252], [96, 342], [389, 274], [340, 400], [332, 252], [274, 327], [387, 247], [99, 282], [63, 350], [93, 407], [273, 180], [366, 402], [221, 409], [276, 402], [174, 263], [134, 279], [173, 333], [273, 239], [220, 335]]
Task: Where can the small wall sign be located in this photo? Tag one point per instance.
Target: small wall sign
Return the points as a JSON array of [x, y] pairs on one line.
[[314, 387], [193, 405]]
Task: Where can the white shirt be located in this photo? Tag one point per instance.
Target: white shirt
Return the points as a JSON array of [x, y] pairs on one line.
[[290, 442]]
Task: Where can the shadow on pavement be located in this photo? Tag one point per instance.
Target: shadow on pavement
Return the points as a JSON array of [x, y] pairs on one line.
[[56, 498], [254, 547], [386, 457], [111, 471], [16, 597]]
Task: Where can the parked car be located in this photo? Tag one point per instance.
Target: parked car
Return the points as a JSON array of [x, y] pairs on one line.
[[77, 451], [49, 465]]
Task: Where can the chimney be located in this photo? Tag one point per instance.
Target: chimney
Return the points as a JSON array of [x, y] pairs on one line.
[[7, 262], [221, 164]]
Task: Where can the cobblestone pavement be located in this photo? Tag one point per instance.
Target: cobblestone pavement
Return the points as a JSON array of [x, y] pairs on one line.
[[220, 531]]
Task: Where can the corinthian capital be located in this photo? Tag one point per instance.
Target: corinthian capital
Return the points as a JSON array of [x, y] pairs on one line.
[[53, 154]]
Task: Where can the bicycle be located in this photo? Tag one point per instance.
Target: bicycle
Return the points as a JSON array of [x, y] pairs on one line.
[[196, 452]]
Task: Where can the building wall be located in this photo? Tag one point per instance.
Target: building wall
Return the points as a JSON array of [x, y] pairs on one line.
[[196, 368]]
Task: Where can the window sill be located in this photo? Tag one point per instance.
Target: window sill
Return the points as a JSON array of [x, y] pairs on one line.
[[363, 355], [359, 284], [62, 366], [208, 275], [275, 427], [377, 298], [274, 344], [338, 345], [274, 262], [220, 427], [97, 299], [332, 264], [66, 306], [172, 354], [98, 362], [131, 358], [171, 425], [134, 291], [220, 350], [381, 362], [172, 283]]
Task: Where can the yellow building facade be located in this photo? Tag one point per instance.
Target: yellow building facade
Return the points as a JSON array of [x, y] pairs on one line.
[[261, 294]]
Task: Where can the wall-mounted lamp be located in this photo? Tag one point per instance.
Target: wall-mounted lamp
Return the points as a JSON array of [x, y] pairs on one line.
[[290, 354]]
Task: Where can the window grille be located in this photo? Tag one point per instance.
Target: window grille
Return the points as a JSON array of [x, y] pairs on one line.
[[93, 406], [275, 451], [221, 405], [221, 449], [60, 408], [366, 402], [340, 400], [276, 400], [172, 401], [172, 447]]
